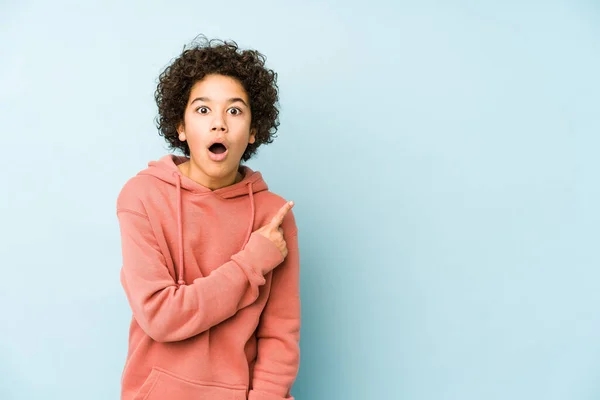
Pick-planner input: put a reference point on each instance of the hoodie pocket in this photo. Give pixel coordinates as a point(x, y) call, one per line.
point(162, 384)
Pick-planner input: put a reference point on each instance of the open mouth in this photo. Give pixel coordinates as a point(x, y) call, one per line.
point(218, 152)
point(217, 148)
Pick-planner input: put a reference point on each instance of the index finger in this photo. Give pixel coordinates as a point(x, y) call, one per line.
point(278, 218)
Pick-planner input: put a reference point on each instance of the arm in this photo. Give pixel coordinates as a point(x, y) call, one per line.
point(168, 312)
point(278, 333)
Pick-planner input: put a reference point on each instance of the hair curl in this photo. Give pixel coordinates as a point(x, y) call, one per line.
point(202, 58)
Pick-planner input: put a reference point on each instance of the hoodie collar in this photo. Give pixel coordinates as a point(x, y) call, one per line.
point(164, 168)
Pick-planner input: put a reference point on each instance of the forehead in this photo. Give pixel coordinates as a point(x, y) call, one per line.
point(218, 88)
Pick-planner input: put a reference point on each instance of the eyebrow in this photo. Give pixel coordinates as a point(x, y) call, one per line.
point(231, 100)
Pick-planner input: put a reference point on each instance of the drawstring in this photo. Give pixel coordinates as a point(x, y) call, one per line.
point(251, 213)
point(181, 280)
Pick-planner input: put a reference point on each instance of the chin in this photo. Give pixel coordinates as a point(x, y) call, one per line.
point(221, 169)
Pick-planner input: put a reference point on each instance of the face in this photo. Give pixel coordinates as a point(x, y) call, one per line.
point(218, 109)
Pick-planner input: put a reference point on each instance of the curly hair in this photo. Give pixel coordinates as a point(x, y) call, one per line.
point(203, 58)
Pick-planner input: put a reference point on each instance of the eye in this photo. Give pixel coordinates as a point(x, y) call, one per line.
point(202, 108)
point(237, 110)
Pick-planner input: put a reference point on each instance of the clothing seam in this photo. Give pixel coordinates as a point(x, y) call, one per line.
point(132, 212)
point(152, 388)
point(222, 385)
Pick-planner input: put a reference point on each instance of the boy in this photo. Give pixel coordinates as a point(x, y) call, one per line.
point(210, 255)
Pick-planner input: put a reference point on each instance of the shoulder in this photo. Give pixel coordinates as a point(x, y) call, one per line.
point(132, 194)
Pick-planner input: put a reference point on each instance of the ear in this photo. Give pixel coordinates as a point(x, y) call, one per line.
point(181, 132)
point(252, 137)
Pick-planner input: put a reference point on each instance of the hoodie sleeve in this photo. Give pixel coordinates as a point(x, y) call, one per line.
point(168, 312)
point(278, 332)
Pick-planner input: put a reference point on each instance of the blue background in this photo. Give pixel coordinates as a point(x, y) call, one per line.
point(443, 157)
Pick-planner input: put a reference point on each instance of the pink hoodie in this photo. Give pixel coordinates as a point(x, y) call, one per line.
point(206, 323)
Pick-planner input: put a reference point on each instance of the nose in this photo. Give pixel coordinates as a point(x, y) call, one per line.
point(218, 124)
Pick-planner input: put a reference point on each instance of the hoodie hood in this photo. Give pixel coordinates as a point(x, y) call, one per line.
point(165, 169)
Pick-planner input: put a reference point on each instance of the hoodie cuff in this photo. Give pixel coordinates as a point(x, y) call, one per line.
point(259, 395)
point(260, 255)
